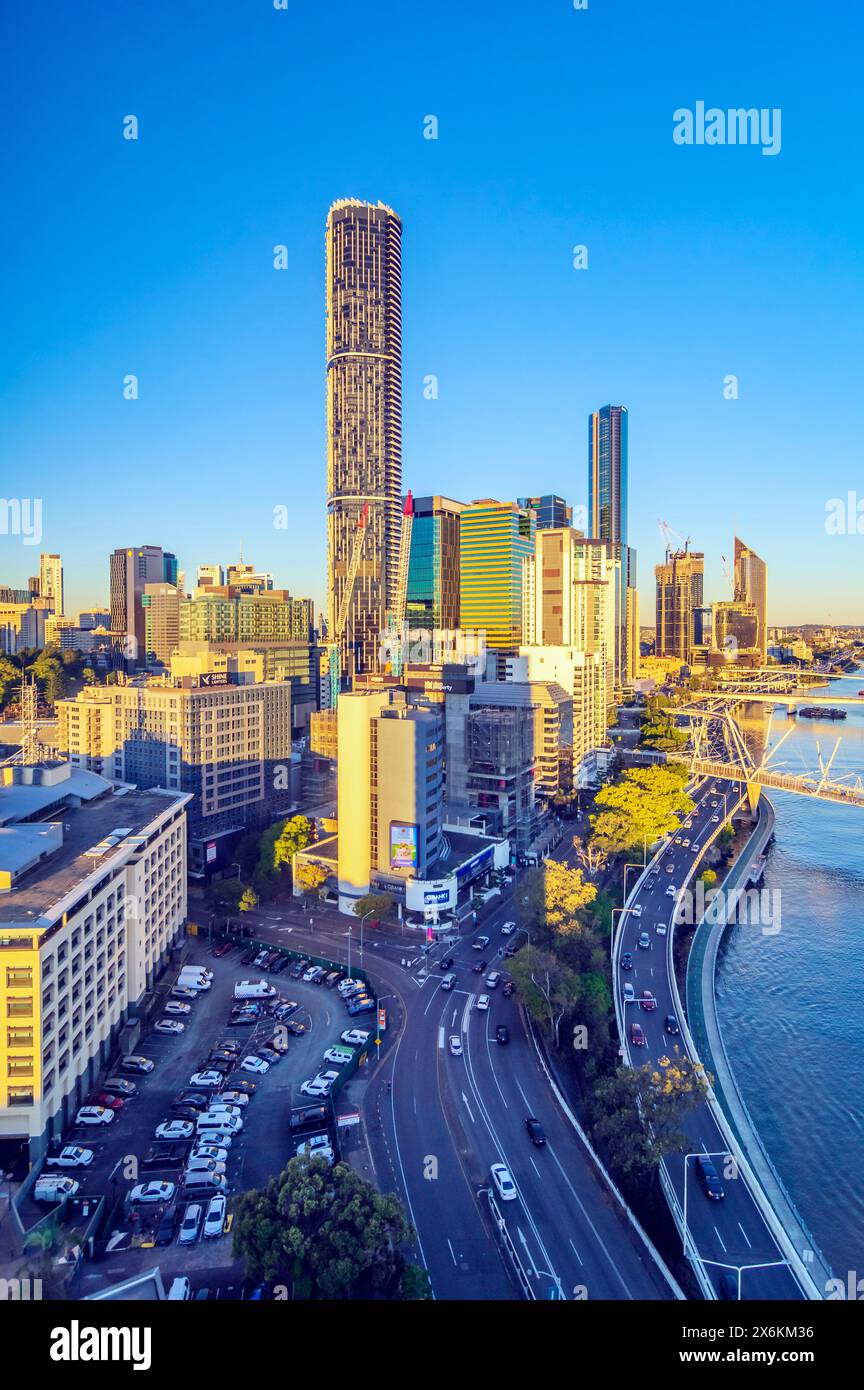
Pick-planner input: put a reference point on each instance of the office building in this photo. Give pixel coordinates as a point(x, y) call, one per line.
point(751, 586)
point(679, 587)
point(434, 568)
point(607, 473)
point(22, 625)
point(584, 677)
point(92, 899)
point(549, 510)
point(245, 579)
point(364, 424)
point(51, 581)
point(228, 745)
point(161, 604)
point(736, 632)
point(494, 539)
point(209, 576)
point(293, 662)
point(131, 570)
point(226, 615)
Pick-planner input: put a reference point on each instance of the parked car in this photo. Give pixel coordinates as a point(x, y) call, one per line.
point(248, 956)
point(165, 1230)
point(183, 992)
point(106, 1098)
point(177, 1010)
point(315, 1087)
point(238, 1098)
point(341, 1055)
point(72, 1156)
point(183, 1112)
point(222, 949)
point(174, 1129)
point(191, 1223)
point(206, 1078)
point(140, 1065)
point(214, 1151)
point(285, 1009)
point(365, 1006)
point(455, 1046)
point(355, 1036)
point(198, 1099)
point(53, 1187)
point(200, 1163)
point(94, 1115)
point(171, 1026)
point(256, 1065)
point(248, 1088)
point(294, 1028)
point(317, 1146)
point(214, 1221)
point(333, 979)
point(165, 1156)
point(502, 1182)
point(219, 1109)
point(536, 1132)
point(148, 1192)
point(281, 964)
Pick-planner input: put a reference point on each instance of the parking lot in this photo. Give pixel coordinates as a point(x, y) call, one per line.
point(256, 1153)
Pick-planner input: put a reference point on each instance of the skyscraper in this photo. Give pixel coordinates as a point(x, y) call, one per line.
point(51, 580)
point(751, 586)
point(364, 422)
point(607, 473)
point(680, 584)
point(131, 569)
point(494, 539)
point(434, 569)
point(551, 510)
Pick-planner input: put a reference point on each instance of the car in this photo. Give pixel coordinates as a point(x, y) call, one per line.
point(644, 942)
point(637, 1037)
point(455, 1046)
point(285, 1009)
point(234, 1098)
point(626, 961)
point(191, 1223)
point(715, 820)
point(510, 952)
point(445, 963)
point(147, 1192)
point(202, 1164)
point(214, 1221)
point(243, 1020)
point(72, 1156)
point(261, 956)
point(222, 949)
point(270, 1055)
point(670, 1025)
point(678, 840)
point(660, 928)
point(709, 1179)
point(165, 1230)
point(535, 1132)
point(217, 1139)
point(118, 1086)
point(165, 1156)
point(172, 1026)
point(341, 1055)
point(480, 943)
point(636, 910)
point(686, 844)
point(502, 1033)
point(295, 1028)
point(174, 1129)
point(209, 1078)
point(671, 891)
point(183, 1112)
point(214, 1151)
point(315, 1088)
point(140, 1065)
point(248, 956)
point(197, 1099)
point(297, 969)
point(277, 1043)
point(348, 983)
point(648, 1001)
point(508, 928)
point(223, 1054)
point(217, 1108)
point(508, 989)
point(282, 964)
point(483, 1002)
point(239, 1083)
point(177, 1010)
point(502, 1182)
point(715, 802)
point(355, 1036)
point(256, 1065)
point(94, 1115)
point(183, 992)
point(629, 993)
point(493, 979)
point(317, 1146)
point(111, 1102)
point(309, 975)
point(54, 1187)
point(479, 967)
point(364, 1006)
point(353, 989)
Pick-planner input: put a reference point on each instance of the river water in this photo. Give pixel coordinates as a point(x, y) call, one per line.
point(791, 1005)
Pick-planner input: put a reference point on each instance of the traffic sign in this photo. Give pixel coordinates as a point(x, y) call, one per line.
point(382, 1019)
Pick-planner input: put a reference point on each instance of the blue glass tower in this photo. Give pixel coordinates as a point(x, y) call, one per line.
point(607, 473)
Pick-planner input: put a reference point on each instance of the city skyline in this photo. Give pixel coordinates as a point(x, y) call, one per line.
point(678, 294)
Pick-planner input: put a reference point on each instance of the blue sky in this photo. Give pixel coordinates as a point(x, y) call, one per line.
point(154, 257)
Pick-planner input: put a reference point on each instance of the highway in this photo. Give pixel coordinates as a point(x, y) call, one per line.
point(729, 1234)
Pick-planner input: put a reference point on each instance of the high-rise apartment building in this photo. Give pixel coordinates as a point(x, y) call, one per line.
point(364, 422)
point(494, 539)
point(550, 510)
point(131, 570)
point(434, 569)
point(223, 615)
point(161, 604)
point(245, 579)
point(751, 586)
point(210, 576)
point(736, 631)
point(51, 581)
point(680, 586)
point(607, 473)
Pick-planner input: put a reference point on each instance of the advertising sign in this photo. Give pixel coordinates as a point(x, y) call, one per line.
point(211, 852)
point(403, 846)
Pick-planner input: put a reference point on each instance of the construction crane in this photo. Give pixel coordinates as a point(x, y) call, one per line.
point(345, 602)
point(730, 578)
point(669, 535)
point(401, 597)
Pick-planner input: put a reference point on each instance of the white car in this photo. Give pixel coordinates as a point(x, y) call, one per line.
point(170, 1025)
point(671, 891)
point(234, 1098)
point(204, 1165)
point(318, 1146)
point(341, 1055)
point(94, 1115)
point(715, 820)
point(636, 910)
point(215, 1151)
point(686, 844)
point(217, 1108)
point(504, 1184)
point(480, 944)
point(174, 1129)
point(214, 1139)
point(508, 928)
point(629, 993)
point(191, 1222)
point(660, 928)
point(177, 1010)
point(344, 986)
point(483, 1002)
point(152, 1192)
point(455, 1046)
point(355, 1036)
point(256, 1065)
point(214, 1221)
point(317, 1089)
point(206, 1078)
point(309, 975)
point(73, 1156)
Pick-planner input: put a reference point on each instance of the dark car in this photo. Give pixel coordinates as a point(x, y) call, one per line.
point(333, 979)
point(709, 1179)
point(502, 1033)
point(535, 1131)
point(165, 1156)
point(508, 989)
point(294, 1028)
point(220, 1064)
point(247, 1087)
point(248, 956)
point(282, 964)
point(298, 968)
point(285, 1009)
point(670, 1025)
point(222, 949)
point(510, 952)
point(361, 1008)
point(648, 1001)
point(309, 1117)
point(637, 1037)
point(479, 967)
point(626, 960)
point(118, 1086)
point(183, 1112)
point(445, 963)
point(222, 1054)
point(228, 1045)
point(165, 1229)
point(196, 1099)
point(268, 1054)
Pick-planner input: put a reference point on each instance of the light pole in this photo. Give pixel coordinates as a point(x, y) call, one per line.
point(362, 920)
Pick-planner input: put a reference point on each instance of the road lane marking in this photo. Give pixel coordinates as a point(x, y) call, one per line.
point(521, 1234)
point(720, 1238)
point(744, 1234)
point(576, 1253)
point(441, 1036)
point(594, 1230)
point(455, 1261)
point(468, 1107)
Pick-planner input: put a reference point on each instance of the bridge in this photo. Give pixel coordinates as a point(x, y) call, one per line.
point(749, 695)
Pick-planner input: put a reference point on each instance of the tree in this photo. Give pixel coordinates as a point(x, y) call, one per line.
point(325, 1233)
point(638, 1112)
point(592, 854)
point(295, 834)
point(708, 877)
point(546, 984)
point(311, 878)
point(553, 898)
point(248, 901)
point(374, 905)
point(10, 680)
point(224, 894)
point(651, 802)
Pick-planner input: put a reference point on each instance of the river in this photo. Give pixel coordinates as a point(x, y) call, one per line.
point(791, 1005)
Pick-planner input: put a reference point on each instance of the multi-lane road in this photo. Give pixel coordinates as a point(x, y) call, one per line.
point(731, 1234)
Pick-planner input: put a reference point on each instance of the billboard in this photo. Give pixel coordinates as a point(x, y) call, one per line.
point(403, 846)
point(211, 852)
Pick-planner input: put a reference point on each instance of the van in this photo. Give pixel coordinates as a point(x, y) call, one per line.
point(448, 982)
point(253, 989)
point(193, 979)
point(197, 970)
point(209, 1124)
point(204, 1184)
point(53, 1187)
point(340, 1054)
point(180, 1288)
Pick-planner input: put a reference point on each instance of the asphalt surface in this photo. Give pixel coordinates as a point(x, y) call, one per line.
point(729, 1234)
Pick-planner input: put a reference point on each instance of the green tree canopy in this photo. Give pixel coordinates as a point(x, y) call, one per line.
point(639, 1110)
point(373, 905)
point(646, 803)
